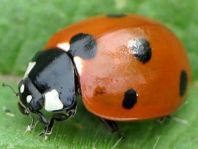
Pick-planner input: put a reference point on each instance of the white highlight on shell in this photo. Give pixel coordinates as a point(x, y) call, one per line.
point(52, 101)
point(65, 46)
point(29, 68)
point(134, 46)
point(28, 98)
point(79, 65)
point(22, 88)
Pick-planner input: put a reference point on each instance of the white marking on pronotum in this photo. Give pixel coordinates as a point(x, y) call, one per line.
point(28, 98)
point(29, 68)
point(65, 46)
point(52, 101)
point(22, 88)
point(134, 46)
point(79, 64)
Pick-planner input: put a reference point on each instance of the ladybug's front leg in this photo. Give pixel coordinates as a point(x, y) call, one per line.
point(32, 125)
point(47, 130)
point(49, 124)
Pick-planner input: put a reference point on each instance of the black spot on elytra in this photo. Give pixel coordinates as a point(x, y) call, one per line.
point(116, 15)
point(183, 82)
point(141, 49)
point(82, 45)
point(130, 99)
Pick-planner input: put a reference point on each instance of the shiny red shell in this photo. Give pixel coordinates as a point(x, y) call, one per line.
point(160, 83)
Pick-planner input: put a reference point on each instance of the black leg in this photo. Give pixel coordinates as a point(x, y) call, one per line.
point(163, 119)
point(43, 119)
point(60, 116)
point(49, 125)
point(112, 126)
point(48, 129)
point(32, 125)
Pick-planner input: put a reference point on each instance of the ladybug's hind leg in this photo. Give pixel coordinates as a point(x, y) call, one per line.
point(112, 126)
point(163, 119)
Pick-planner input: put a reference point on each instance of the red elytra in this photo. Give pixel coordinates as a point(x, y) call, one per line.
point(139, 69)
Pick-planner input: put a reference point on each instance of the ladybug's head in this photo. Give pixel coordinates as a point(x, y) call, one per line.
point(47, 91)
point(31, 100)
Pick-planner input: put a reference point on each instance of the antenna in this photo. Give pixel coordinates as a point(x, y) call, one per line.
point(9, 86)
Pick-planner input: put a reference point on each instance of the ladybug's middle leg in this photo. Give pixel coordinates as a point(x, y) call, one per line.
point(111, 125)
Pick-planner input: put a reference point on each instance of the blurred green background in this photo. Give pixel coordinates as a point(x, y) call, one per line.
point(26, 25)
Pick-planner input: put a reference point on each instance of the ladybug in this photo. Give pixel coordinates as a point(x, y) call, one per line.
point(125, 67)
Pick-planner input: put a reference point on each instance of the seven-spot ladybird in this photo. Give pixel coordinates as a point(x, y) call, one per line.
point(126, 67)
